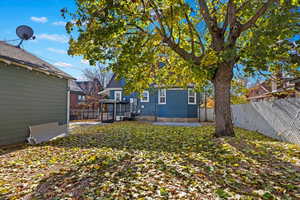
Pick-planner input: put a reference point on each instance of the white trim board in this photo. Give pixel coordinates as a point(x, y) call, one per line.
point(148, 97)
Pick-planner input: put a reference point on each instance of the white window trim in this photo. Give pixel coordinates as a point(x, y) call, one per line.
point(195, 97)
point(148, 97)
point(120, 92)
point(80, 98)
point(160, 96)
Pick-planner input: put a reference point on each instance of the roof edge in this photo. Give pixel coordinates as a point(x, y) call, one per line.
point(27, 66)
point(111, 79)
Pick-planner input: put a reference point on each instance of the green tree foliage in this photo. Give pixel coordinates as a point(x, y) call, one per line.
point(239, 90)
point(197, 40)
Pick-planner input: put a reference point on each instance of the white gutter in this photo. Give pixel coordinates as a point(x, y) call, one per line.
point(35, 69)
point(109, 89)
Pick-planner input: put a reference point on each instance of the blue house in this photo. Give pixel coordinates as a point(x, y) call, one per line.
point(155, 104)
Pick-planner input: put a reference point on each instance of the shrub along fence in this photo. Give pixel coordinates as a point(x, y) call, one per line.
point(279, 119)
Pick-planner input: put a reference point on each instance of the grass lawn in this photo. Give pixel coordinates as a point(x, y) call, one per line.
point(132, 160)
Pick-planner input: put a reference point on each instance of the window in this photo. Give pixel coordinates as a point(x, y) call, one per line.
point(81, 98)
point(118, 95)
point(145, 96)
point(162, 97)
point(191, 96)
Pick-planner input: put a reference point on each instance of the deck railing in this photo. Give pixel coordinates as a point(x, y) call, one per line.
point(83, 114)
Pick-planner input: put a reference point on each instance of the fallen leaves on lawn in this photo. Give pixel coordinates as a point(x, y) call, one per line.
point(132, 160)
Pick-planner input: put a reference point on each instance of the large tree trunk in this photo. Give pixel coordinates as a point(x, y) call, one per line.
point(222, 85)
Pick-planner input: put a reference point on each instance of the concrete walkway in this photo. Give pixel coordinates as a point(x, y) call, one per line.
point(73, 125)
point(191, 124)
point(85, 123)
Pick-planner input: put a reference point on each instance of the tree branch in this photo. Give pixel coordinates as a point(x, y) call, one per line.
point(145, 14)
point(138, 27)
point(190, 25)
point(242, 6)
point(192, 29)
point(225, 24)
point(258, 14)
point(234, 32)
point(200, 41)
point(179, 35)
point(171, 29)
point(159, 18)
point(206, 15)
point(170, 42)
point(181, 52)
point(197, 33)
point(216, 32)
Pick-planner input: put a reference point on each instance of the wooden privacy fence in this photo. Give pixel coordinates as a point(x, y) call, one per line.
point(82, 114)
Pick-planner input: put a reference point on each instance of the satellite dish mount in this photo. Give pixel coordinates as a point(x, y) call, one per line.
point(24, 33)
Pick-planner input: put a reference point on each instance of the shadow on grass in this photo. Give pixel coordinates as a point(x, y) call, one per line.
point(252, 171)
point(136, 161)
point(83, 179)
point(11, 148)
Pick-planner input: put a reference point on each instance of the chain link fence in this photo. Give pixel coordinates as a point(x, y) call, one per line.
point(279, 119)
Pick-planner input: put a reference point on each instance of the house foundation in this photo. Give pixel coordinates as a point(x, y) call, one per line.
point(167, 119)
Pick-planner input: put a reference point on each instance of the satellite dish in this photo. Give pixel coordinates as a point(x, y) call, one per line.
point(24, 33)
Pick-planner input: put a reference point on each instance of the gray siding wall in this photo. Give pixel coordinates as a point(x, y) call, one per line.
point(29, 98)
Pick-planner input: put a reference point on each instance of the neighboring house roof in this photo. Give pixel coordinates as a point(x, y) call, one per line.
point(259, 90)
point(114, 83)
point(295, 80)
point(264, 89)
point(74, 88)
point(10, 53)
point(91, 88)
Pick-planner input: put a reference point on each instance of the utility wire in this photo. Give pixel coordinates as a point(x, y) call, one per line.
point(51, 60)
point(39, 56)
point(48, 59)
point(11, 40)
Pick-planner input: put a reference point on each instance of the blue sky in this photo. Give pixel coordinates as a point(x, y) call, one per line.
point(51, 38)
point(48, 25)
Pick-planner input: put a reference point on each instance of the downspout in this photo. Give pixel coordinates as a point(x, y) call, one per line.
point(100, 112)
point(115, 111)
point(205, 107)
point(199, 106)
point(68, 104)
point(156, 106)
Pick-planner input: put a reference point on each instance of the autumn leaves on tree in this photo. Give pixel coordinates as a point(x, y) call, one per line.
point(199, 41)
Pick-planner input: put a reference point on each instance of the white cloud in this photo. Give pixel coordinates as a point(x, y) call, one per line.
point(62, 64)
point(53, 37)
point(85, 61)
point(39, 19)
point(59, 23)
point(60, 51)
